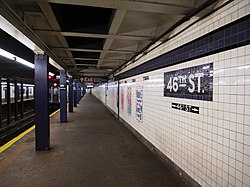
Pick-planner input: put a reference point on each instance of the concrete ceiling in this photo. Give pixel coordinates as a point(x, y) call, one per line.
point(94, 37)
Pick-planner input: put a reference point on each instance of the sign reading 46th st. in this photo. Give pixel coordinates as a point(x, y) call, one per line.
point(191, 83)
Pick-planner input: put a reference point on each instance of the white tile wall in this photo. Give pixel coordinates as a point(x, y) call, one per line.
point(213, 147)
point(112, 96)
point(100, 92)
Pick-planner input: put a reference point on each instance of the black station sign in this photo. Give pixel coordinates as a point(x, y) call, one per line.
point(190, 83)
point(187, 108)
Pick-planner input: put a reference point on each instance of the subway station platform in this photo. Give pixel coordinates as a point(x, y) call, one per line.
point(92, 149)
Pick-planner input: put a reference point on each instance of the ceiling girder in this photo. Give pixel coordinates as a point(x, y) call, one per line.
point(94, 59)
point(132, 25)
point(93, 35)
point(141, 6)
point(115, 25)
point(93, 50)
point(48, 13)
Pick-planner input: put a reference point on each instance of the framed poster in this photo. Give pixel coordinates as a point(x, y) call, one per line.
point(139, 94)
point(129, 94)
point(191, 83)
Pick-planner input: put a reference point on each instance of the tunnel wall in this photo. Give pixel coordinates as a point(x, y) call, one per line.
point(212, 147)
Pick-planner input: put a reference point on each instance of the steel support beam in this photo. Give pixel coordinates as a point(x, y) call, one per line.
point(94, 50)
point(75, 93)
point(42, 103)
point(94, 35)
point(78, 92)
point(71, 90)
point(63, 97)
point(141, 6)
point(115, 25)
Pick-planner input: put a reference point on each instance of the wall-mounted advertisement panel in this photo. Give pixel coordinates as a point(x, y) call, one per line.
point(139, 94)
point(190, 83)
point(129, 95)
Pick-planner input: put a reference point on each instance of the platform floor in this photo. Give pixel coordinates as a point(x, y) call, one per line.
point(92, 149)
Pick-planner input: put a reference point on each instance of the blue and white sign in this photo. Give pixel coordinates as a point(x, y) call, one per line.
point(191, 83)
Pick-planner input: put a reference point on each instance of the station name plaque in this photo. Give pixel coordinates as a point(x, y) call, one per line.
point(191, 83)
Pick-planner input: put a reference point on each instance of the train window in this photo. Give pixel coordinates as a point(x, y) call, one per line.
point(12, 92)
point(18, 92)
point(24, 92)
point(31, 92)
point(4, 92)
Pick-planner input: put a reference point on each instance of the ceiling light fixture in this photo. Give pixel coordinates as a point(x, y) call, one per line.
point(10, 56)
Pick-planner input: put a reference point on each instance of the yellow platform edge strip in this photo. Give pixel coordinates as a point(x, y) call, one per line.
point(11, 142)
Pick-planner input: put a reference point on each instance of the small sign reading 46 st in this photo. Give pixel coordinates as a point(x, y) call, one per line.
point(191, 83)
point(187, 108)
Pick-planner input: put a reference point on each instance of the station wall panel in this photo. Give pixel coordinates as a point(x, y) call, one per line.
point(213, 147)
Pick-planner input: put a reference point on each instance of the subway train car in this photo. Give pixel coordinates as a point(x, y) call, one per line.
point(28, 91)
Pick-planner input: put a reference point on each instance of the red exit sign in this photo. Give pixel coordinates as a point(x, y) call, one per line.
point(88, 79)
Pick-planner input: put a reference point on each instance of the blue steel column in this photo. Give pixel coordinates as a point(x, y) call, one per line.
point(71, 95)
point(75, 94)
point(63, 97)
point(42, 103)
point(77, 91)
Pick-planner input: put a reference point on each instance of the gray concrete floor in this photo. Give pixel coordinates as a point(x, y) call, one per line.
point(92, 149)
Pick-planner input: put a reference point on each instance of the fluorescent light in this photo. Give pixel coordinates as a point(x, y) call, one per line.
point(51, 74)
point(6, 54)
point(6, 26)
point(25, 62)
point(10, 56)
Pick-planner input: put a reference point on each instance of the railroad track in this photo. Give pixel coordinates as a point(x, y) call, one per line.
point(8, 132)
